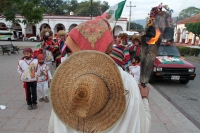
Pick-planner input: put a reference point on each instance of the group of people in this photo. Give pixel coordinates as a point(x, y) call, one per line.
point(37, 67)
point(96, 89)
point(128, 56)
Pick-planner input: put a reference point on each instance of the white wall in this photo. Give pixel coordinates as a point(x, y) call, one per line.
point(29, 29)
point(67, 21)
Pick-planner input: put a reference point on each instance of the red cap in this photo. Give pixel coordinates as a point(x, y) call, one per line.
point(27, 50)
point(40, 57)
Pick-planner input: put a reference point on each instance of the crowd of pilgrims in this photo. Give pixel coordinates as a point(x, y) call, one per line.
point(125, 55)
point(50, 53)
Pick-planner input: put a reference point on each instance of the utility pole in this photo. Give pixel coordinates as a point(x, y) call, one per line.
point(91, 8)
point(129, 24)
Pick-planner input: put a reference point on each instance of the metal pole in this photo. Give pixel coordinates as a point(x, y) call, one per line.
point(91, 8)
point(129, 24)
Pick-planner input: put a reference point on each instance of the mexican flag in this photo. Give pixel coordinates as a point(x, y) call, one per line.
point(114, 12)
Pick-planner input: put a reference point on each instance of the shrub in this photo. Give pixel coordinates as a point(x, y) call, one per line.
point(189, 51)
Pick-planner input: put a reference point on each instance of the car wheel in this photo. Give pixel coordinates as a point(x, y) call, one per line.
point(184, 81)
point(9, 39)
point(31, 40)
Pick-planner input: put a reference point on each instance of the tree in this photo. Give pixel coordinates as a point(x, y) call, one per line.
point(98, 8)
point(194, 28)
point(188, 12)
point(29, 9)
point(57, 7)
point(72, 6)
point(136, 27)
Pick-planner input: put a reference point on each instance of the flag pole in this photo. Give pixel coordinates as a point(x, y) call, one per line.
point(114, 25)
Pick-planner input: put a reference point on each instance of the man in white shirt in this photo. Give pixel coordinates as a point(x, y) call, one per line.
point(136, 115)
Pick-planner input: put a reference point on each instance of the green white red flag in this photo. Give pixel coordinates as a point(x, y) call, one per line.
point(114, 12)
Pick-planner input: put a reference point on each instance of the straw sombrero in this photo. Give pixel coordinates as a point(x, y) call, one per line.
point(136, 37)
point(87, 92)
point(62, 33)
point(122, 35)
point(47, 32)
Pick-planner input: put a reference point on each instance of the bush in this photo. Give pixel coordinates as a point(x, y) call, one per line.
point(189, 51)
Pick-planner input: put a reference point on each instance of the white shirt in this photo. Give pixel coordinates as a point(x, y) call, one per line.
point(43, 73)
point(136, 119)
point(27, 70)
point(135, 72)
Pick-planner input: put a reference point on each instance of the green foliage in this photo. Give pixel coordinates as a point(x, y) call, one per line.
point(29, 9)
point(58, 7)
point(33, 10)
point(188, 12)
point(84, 8)
point(136, 27)
point(189, 51)
point(194, 28)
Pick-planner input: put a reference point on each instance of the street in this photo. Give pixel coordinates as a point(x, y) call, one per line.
point(186, 97)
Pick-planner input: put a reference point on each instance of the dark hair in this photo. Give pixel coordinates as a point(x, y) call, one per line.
point(137, 58)
point(68, 50)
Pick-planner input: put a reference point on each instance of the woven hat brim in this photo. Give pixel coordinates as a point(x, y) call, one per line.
point(62, 33)
point(78, 64)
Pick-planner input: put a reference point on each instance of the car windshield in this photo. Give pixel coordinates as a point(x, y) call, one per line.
point(168, 51)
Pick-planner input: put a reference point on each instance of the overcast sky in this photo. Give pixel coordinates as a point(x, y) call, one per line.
point(143, 7)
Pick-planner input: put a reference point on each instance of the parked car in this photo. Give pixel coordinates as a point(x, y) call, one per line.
point(170, 65)
point(32, 39)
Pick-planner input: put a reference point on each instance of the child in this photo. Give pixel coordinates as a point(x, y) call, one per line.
point(43, 75)
point(135, 68)
point(27, 68)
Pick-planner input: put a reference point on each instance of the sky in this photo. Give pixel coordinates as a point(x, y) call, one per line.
point(143, 7)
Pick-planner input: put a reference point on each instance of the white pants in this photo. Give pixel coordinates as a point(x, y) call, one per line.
point(52, 67)
point(42, 88)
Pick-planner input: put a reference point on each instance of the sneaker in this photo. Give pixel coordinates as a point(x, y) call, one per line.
point(29, 107)
point(34, 106)
point(46, 99)
point(41, 99)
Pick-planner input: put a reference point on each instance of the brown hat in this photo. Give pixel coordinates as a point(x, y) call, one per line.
point(46, 32)
point(62, 33)
point(136, 37)
point(89, 97)
point(122, 35)
point(27, 50)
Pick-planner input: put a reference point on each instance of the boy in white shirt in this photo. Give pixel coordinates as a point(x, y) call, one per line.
point(135, 68)
point(43, 76)
point(27, 68)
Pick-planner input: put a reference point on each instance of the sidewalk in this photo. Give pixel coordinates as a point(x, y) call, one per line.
point(17, 119)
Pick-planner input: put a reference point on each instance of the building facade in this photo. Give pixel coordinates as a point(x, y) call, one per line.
point(56, 23)
point(181, 35)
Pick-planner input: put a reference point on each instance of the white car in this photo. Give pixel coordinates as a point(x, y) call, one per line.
point(32, 39)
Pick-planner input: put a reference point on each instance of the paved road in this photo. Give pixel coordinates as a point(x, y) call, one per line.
point(187, 97)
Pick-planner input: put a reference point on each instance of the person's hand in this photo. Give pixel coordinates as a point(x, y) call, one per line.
point(144, 91)
point(49, 83)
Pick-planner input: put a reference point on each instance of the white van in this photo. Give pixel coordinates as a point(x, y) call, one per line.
point(7, 35)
